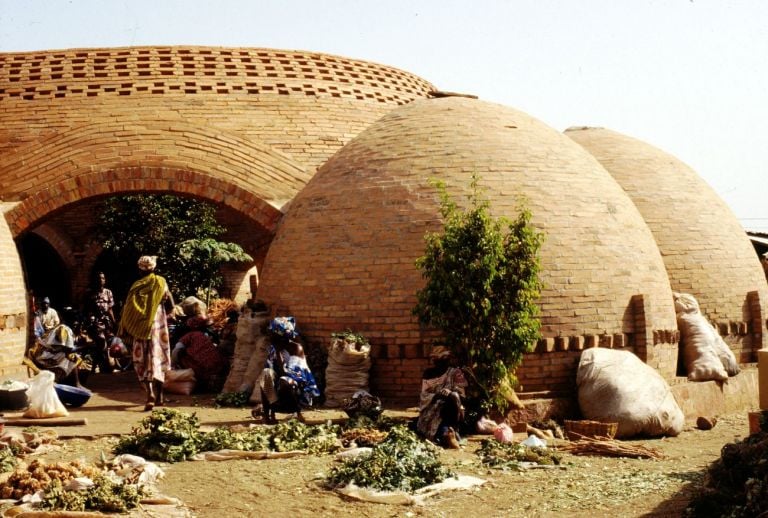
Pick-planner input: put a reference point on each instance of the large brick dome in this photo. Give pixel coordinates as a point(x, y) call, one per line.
point(344, 253)
point(705, 249)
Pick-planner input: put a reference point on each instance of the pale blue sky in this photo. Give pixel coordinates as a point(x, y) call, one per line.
point(690, 77)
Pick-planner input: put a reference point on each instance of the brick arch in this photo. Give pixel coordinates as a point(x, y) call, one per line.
point(150, 156)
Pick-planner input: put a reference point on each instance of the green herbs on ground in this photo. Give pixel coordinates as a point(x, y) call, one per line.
point(401, 462)
point(171, 436)
point(500, 455)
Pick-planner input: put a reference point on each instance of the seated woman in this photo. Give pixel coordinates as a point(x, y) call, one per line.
point(286, 383)
point(56, 353)
point(441, 409)
point(196, 350)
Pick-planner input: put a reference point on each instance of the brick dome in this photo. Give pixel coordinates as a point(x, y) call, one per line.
point(343, 255)
point(705, 249)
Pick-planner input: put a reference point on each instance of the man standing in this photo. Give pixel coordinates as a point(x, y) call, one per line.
point(47, 316)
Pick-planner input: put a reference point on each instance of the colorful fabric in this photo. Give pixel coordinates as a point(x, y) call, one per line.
point(152, 356)
point(203, 357)
point(435, 394)
point(283, 326)
point(294, 370)
point(102, 301)
point(145, 295)
point(57, 352)
point(147, 263)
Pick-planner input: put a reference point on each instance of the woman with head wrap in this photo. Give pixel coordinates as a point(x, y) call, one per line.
point(286, 383)
point(143, 326)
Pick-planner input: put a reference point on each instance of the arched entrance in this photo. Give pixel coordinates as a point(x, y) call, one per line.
point(250, 182)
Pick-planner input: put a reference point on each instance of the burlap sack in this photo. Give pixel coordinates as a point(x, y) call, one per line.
point(347, 372)
point(705, 353)
point(250, 352)
point(616, 386)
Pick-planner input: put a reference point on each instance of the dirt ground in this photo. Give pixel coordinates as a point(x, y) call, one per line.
point(585, 486)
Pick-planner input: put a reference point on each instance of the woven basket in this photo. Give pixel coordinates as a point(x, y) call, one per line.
point(576, 430)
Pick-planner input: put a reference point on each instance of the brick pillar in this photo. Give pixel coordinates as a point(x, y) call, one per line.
point(756, 332)
point(642, 334)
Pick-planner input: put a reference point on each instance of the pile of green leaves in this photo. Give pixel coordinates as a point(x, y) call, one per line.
point(402, 462)
point(170, 435)
point(8, 460)
point(481, 291)
point(351, 337)
point(500, 455)
point(105, 495)
point(166, 434)
point(232, 399)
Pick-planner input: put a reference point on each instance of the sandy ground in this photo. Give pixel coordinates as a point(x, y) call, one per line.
point(585, 486)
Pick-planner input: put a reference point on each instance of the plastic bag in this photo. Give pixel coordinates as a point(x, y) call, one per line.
point(43, 400)
point(503, 433)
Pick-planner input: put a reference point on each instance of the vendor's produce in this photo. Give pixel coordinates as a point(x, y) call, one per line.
point(171, 436)
point(38, 476)
point(736, 484)
point(232, 399)
point(501, 455)
point(106, 495)
point(402, 462)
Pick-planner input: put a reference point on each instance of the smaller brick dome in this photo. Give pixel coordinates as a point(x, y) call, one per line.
point(344, 254)
point(705, 249)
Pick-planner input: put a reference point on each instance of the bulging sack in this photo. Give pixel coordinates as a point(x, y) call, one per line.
point(616, 386)
point(705, 353)
point(43, 400)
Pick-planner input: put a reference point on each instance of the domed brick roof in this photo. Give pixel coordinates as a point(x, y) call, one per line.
point(705, 249)
point(344, 253)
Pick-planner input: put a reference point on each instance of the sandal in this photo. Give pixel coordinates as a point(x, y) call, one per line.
point(149, 406)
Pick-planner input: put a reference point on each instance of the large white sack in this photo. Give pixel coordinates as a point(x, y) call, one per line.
point(705, 354)
point(616, 386)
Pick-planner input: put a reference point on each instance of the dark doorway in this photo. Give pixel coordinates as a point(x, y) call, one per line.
point(44, 271)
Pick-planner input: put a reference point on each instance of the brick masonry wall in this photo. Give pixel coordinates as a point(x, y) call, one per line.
point(705, 249)
point(13, 305)
point(243, 128)
point(344, 253)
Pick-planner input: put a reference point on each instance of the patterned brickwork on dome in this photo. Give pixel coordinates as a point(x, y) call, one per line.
point(344, 253)
point(200, 70)
point(307, 119)
point(705, 249)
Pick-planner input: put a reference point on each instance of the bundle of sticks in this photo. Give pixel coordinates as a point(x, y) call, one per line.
point(606, 447)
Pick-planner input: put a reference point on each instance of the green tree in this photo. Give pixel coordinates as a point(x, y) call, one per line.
point(211, 254)
point(482, 287)
point(161, 224)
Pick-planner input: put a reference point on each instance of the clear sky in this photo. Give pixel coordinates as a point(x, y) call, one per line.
point(689, 77)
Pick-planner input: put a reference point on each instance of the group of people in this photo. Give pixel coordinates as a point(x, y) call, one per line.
point(286, 383)
point(141, 337)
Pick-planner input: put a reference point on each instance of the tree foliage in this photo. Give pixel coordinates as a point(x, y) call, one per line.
point(182, 232)
point(482, 285)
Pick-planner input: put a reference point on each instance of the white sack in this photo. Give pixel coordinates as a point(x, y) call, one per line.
point(705, 353)
point(418, 497)
point(43, 399)
point(616, 386)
